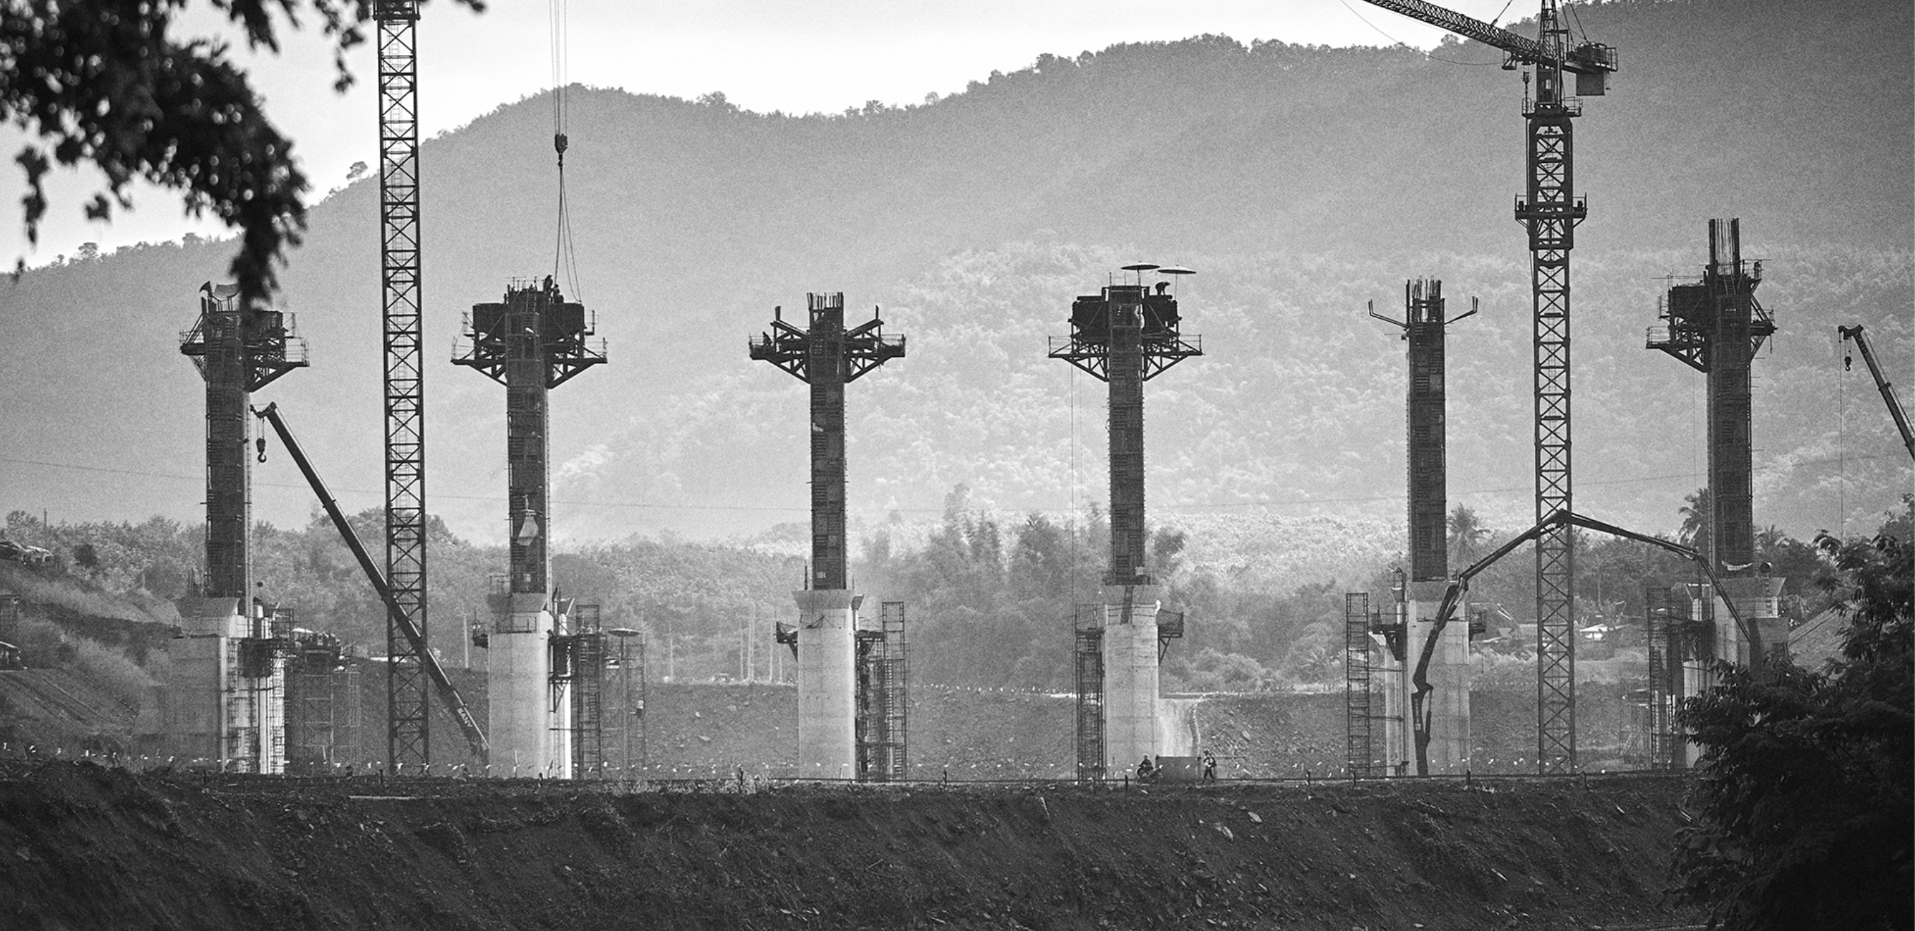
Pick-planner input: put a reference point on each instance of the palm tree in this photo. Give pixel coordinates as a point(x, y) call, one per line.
point(1697, 524)
point(1466, 537)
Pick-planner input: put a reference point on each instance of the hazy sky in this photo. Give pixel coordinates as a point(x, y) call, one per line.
point(798, 56)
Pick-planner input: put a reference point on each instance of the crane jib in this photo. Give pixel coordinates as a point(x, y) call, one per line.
point(1588, 58)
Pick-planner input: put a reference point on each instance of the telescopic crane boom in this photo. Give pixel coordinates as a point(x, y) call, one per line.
point(448, 693)
point(1888, 391)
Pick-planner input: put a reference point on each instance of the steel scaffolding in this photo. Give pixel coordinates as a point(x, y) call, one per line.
point(322, 702)
point(1664, 617)
point(883, 696)
point(622, 725)
point(588, 702)
point(1359, 747)
point(1088, 665)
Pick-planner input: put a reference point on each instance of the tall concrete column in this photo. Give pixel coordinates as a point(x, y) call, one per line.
point(827, 357)
point(1448, 713)
point(222, 702)
point(531, 342)
point(1126, 335)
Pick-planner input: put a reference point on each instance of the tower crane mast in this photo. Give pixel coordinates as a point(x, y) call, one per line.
point(1550, 210)
point(408, 688)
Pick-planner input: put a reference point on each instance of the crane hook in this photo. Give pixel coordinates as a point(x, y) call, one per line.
point(260, 444)
point(1848, 360)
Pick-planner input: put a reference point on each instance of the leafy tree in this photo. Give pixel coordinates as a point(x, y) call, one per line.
point(1805, 790)
point(110, 82)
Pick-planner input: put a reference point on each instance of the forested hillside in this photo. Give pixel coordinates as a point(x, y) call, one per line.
point(1302, 183)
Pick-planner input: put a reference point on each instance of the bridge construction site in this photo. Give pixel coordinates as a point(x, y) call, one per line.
point(571, 692)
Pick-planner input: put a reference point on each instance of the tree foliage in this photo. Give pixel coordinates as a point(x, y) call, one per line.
point(1805, 786)
point(112, 83)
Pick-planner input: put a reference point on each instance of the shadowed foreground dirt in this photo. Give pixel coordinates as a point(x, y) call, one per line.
point(88, 847)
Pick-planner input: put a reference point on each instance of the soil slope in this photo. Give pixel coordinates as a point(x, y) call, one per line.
point(88, 847)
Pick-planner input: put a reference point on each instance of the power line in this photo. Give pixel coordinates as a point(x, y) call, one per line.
point(653, 505)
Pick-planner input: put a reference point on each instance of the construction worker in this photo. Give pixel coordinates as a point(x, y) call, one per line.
point(1210, 766)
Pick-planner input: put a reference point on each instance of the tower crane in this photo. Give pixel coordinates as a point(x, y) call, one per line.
point(1895, 411)
point(408, 687)
point(1550, 210)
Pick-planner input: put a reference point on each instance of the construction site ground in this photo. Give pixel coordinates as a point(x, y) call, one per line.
point(989, 835)
point(86, 846)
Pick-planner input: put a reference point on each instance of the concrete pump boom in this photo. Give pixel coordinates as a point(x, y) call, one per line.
point(1888, 391)
point(1419, 708)
point(448, 693)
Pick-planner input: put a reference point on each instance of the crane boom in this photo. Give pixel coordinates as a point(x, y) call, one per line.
point(1587, 58)
point(448, 693)
point(1521, 48)
point(1888, 391)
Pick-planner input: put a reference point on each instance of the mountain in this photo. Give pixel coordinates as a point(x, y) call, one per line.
point(1301, 182)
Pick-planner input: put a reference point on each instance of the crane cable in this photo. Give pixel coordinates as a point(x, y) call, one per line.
point(564, 255)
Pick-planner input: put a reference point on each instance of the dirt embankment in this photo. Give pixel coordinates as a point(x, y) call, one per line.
point(87, 847)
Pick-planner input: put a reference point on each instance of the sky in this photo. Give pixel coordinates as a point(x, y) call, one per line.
point(798, 56)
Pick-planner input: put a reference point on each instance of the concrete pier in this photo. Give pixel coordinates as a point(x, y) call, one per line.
point(827, 683)
point(528, 720)
point(1130, 675)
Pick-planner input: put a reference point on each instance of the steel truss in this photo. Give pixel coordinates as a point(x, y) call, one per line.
point(408, 726)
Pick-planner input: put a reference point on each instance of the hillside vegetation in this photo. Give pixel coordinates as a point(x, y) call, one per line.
point(1301, 182)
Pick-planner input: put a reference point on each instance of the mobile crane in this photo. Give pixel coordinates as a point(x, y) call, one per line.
point(395, 611)
point(1550, 210)
point(1895, 411)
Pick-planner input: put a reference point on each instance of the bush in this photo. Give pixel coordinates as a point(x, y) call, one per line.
point(111, 670)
